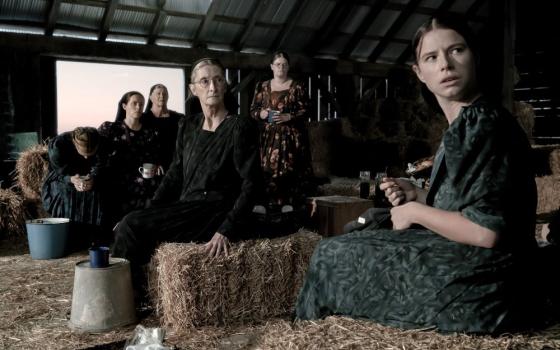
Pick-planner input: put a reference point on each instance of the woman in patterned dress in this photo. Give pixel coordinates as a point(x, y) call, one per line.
point(280, 106)
point(454, 258)
point(132, 143)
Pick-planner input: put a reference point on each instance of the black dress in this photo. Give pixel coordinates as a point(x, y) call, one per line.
point(416, 278)
point(60, 197)
point(167, 129)
point(210, 187)
point(128, 150)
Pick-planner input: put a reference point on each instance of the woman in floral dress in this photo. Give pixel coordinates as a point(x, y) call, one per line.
point(132, 143)
point(280, 105)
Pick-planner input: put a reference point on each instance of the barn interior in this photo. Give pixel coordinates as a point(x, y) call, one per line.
point(366, 113)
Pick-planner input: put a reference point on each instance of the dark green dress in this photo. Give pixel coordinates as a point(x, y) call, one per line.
point(416, 278)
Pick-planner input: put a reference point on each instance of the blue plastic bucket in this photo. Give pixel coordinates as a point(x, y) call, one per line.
point(47, 237)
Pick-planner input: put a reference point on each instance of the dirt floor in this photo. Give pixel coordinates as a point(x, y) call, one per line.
point(36, 297)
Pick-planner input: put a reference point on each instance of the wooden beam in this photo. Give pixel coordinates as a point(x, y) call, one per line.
point(374, 11)
point(338, 14)
point(240, 40)
point(205, 24)
point(244, 82)
point(51, 18)
point(157, 23)
point(293, 16)
point(444, 7)
point(107, 20)
point(471, 12)
point(77, 49)
point(395, 27)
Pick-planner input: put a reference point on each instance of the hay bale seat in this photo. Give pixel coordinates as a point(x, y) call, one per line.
point(12, 214)
point(32, 167)
point(260, 279)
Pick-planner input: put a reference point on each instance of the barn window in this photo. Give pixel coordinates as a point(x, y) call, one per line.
point(88, 93)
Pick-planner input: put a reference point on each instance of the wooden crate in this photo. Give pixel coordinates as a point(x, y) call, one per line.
point(333, 212)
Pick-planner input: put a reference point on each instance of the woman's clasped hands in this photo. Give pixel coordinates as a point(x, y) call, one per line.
point(82, 183)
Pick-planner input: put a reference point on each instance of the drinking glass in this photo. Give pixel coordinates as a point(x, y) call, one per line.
point(379, 195)
point(364, 183)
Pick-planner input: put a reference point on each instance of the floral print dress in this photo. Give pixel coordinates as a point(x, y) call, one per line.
point(285, 156)
point(129, 149)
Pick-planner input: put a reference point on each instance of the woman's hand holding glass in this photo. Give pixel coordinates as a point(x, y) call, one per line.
point(282, 118)
point(398, 191)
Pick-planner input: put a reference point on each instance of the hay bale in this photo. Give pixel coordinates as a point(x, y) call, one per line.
point(554, 161)
point(12, 214)
point(548, 189)
point(341, 186)
point(525, 116)
point(32, 167)
point(259, 279)
point(337, 332)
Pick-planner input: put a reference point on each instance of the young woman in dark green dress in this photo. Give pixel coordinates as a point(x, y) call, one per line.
point(453, 258)
point(209, 190)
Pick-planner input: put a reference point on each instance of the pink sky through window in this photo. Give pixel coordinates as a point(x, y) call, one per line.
point(88, 93)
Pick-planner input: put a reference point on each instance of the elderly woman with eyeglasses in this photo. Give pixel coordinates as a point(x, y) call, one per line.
point(75, 185)
point(208, 191)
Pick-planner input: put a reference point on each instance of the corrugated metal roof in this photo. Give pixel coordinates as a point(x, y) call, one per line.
point(199, 7)
point(29, 10)
point(354, 19)
point(180, 27)
point(315, 13)
point(340, 28)
point(80, 15)
point(236, 9)
point(133, 22)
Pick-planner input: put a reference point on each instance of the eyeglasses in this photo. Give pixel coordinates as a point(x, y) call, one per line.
point(281, 65)
point(205, 82)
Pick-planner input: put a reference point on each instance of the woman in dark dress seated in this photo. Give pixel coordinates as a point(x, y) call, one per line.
point(75, 186)
point(164, 120)
point(209, 190)
point(132, 143)
point(453, 258)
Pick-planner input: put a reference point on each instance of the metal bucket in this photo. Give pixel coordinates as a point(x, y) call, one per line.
point(102, 298)
point(48, 237)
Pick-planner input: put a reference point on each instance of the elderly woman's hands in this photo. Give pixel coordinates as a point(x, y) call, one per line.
point(398, 191)
point(218, 244)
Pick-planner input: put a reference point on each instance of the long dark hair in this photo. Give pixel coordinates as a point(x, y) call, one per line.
point(121, 113)
point(149, 102)
point(455, 23)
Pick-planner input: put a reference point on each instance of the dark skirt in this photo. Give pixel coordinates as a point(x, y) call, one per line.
point(413, 279)
point(286, 163)
point(139, 233)
point(62, 200)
